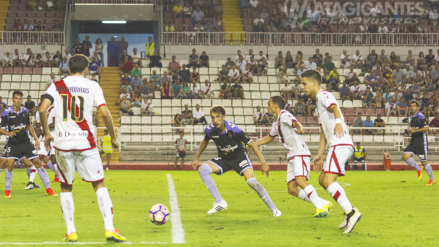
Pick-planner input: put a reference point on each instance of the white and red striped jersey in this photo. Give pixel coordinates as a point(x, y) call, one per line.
point(50, 118)
point(73, 99)
point(327, 120)
point(283, 127)
point(147, 106)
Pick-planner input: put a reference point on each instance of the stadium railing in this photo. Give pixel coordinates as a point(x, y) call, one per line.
point(148, 137)
point(44, 37)
point(263, 38)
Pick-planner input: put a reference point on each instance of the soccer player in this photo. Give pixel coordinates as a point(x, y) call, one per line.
point(180, 145)
point(289, 130)
point(334, 133)
point(230, 142)
point(418, 128)
point(73, 99)
point(15, 119)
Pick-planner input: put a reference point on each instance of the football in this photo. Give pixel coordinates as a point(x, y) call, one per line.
point(181, 148)
point(159, 214)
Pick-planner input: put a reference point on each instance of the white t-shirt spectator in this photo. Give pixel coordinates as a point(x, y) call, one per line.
point(68, 56)
point(8, 60)
point(46, 59)
point(242, 64)
point(357, 58)
point(207, 89)
point(347, 63)
point(359, 88)
point(383, 29)
point(349, 74)
point(195, 89)
point(258, 115)
point(197, 114)
point(254, 3)
point(147, 106)
point(49, 4)
point(257, 20)
point(97, 57)
point(234, 74)
point(19, 56)
point(247, 73)
point(257, 57)
point(136, 57)
point(434, 15)
point(390, 106)
point(126, 95)
point(309, 65)
point(248, 57)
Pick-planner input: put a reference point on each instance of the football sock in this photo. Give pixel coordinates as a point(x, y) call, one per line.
point(1, 170)
point(339, 195)
point(44, 177)
point(412, 162)
point(302, 195)
point(33, 173)
point(8, 179)
point(429, 171)
point(252, 182)
point(363, 163)
point(355, 165)
point(205, 172)
point(68, 209)
point(51, 166)
point(311, 193)
point(28, 172)
point(106, 207)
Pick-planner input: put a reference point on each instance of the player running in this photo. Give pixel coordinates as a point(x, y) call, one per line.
point(230, 142)
point(334, 133)
point(418, 128)
point(73, 99)
point(15, 120)
point(289, 130)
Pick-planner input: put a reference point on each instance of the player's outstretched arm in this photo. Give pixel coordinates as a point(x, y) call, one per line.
point(203, 146)
point(264, 141)
point(264, 166)
point(108, 121)
point(43, 120)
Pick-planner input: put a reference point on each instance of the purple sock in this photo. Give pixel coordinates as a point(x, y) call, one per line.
point(429, 171)
point(205, 172)
point(28, 172)
point(51, 166)
point(8, 179)
point(44, 177)
point(412, 162)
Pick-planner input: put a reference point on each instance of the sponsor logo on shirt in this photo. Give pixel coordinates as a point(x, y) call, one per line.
point(215, 136)
point(229, 148)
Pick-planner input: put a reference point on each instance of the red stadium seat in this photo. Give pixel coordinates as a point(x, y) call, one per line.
point(18, 70)
point(350, 111)
point(21, 14)
point(50, 14)
point(27, 70)
point(313, 130)
point(40, 14)
point(370, 112)
point(301, 119)
point(1, 70)
point(248, 22)
point(37, 71)
point(351, 119)
point(357, 110)
point(381, 111)
point(311, 120)
point(7, 70)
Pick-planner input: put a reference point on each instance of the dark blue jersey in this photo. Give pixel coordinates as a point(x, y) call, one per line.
point(417, 122)
point(230, 143)
point(16, 122)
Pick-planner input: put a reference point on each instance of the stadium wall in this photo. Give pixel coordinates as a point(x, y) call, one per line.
point(127, 12)
point(220, 52)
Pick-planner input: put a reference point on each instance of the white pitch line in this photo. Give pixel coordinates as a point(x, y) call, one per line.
point(177, 228)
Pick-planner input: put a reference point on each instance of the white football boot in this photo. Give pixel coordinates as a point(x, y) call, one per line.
point(352, 219)
point(276, 213)
point(222, 205)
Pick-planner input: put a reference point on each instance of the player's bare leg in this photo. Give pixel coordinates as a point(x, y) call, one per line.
point(429, 170)
point(205, 170)
point(182, 164)
point(309, 194)
point(175, 163)
point(352, 215)
point(407, 157)
point(260, 190)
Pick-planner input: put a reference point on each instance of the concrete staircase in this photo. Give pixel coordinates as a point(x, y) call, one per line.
point(4, 7)
point(232, 22)
point(110, 83)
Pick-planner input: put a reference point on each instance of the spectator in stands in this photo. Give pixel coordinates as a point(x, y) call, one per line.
point(136, 81)
point(137, 59)
point(398, 74)
point(281, 75)
point(433, 17)
point(368, 123)
point(174, 68)
point(402, 107)
point(78, 47)
point(30, 105)
point(314, 15)
point(125, 107)
point(167, 91)
point(286, 91)
point(178, 122)
point(345, 93)
point(122, 46)
point(136, 71)
point(125, 54)
point(136, 98)
point(64, 66)
point(367, 98)
point(237, 90)
point(300, 108)
point(38, 61)
point(150, 47)
point(358, 122)
point(124, 94)
point(87, 45)
point(193, 59)
point(195, 76)
point(295, 89)
point(197, 16)
point(155, 60)
point(195, 91)
point(177, 89)
point(300, 70)
point(178, 10)
point(198, 115)
point(388, 95)
point(317, 58)
point(186, 115)
point(379, 122)
point(204, 60)
point(333, 80)
point(198, 27)
point(126, 66)
point(208, 27)
point(184, 74)
point(289, 61)
point(279, 60)
point(47, 61)
point(263, 66)
point(56, 26)
point(94, 67)
point(310, 64)
point(17, 59)
point(268, 119)
point(234, 74)
point(31, 5)
point(27, 58)
point(207, 90)
point(357, 59)
point(49, 5)
point(125, 77)
point(258, 116)
point(164, 78)
point(29, 27)
point(146, 89)
point(430, 107)
point(247, 74)
point(186, 92)
point(229, 64)
point(391, 108)
point(51, 80)
point(18, 26)
point(433, 124)
point(56, 60)
point(126, 85)
point(241, 63)
point(225, 91)
point(6, 60)
point(112, 53)
point(345, 60)
point(67, 55)
point(147, 108)
point(329, 65)
point(223, 74)
point(311, 107)
point(187, 10)
point(258, 20)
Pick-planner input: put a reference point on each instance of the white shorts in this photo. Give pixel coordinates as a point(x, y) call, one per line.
point(44, 152)
point(336, 159)
point(87, 162)
point(298, 166)
point(92, 72)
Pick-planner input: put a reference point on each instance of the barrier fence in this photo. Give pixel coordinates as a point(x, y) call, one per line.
point(263, 38)
point(389, 137)
point(33, 37)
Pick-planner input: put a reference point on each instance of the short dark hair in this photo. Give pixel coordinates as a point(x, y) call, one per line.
point(313, 75)
point(78, 63)
point(105, 131)
point(17, 92)
point(414, 102)
point(29, 96)
point(278, 101)
point(218, 109)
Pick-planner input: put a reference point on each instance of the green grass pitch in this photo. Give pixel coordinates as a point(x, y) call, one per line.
point(397, 208)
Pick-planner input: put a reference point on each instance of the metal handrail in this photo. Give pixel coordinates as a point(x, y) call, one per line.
point(33, 37)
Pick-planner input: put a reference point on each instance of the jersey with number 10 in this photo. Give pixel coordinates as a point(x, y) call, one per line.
point(73, 99)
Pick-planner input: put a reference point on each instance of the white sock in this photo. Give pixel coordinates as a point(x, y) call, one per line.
point(68, 209)
point(106, 207)
point(339, 195)
point(33, 173)
point(311, 193)
point(302, 195)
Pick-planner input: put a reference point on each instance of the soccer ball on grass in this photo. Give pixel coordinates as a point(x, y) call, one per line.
point(159, 214)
